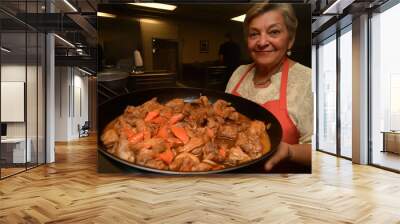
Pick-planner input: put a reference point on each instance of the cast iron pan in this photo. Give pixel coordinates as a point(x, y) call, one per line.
point(115, 107)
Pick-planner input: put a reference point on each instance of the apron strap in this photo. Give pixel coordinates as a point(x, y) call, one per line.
point(234, 91)
point(283, 88)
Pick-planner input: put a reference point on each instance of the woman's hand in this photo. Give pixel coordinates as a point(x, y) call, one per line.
point(299, 153)
point(282, 153)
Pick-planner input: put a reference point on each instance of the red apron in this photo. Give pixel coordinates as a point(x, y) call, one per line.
point(278, 107)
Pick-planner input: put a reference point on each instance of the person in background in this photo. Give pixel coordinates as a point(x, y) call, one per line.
point(229, 55)
point(275, 81)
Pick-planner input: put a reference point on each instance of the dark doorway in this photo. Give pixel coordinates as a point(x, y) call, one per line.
point(165, 55)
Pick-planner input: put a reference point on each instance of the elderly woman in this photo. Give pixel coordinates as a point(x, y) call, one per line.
point(276, 82)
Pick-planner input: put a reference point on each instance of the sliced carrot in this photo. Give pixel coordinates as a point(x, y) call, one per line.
point(146, 134)
point(180, 133)
point(210, 133)
point(174, 119)
point(218, 167)
point(136, 138)
point(151, 115)
point(222, 152)
point(167, 156)
point(163, 132)
point(174, 141)
point(129, 132)
point(159, 120)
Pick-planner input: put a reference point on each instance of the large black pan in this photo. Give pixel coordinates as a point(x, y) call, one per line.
point(115, 107)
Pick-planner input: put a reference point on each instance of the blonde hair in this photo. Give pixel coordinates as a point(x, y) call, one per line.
point(286, 10)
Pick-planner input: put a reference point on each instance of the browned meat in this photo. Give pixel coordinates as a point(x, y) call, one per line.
point(192, 144)
point(228, 131)
point(145, 155)
point(250, 144)
point(110, 137)
point(184, 162)
point(156, 164)
point(176, 105)
point(223, 108)
point(151, 105)
point(202, 167)
point(234, 116)
point(156, 144)
point(123, 151)
point(256, 128)
point(237, 156)
point(132, 112)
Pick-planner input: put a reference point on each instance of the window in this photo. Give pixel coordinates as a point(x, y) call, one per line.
point(327, 95)
point(385, 87)
point(346, 92)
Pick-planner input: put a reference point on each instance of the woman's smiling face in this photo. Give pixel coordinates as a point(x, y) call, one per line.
point(268, 39)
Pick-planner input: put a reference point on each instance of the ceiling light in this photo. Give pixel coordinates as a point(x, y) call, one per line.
point(156, 6)
point(70, 5)
point(106, 15)
point(239, 18)
point(5, 49)
point(337, 7)
point(65, 41)
point(84, 71)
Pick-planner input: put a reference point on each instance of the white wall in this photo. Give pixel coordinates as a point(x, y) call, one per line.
point(71, 93)
point(12, 73)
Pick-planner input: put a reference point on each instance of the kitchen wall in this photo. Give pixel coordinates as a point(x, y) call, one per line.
point(120, 36)
point(192, 32)
point(150, 28)
point(188, 34)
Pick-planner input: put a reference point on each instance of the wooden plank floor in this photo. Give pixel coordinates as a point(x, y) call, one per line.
point(71, 191)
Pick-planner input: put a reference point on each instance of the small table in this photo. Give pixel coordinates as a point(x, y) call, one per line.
point(16, 147)
point(391, 141)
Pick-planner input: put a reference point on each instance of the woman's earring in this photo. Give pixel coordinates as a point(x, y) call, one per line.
point(289, 52)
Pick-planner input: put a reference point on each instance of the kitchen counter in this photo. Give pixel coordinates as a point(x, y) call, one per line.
point(152, 79)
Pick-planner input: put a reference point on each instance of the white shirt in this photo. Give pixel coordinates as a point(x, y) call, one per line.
point(299, 95)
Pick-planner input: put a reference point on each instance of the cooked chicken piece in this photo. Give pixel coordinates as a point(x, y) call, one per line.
point(192, 144)
point(110, 137)
point(202, 101)
point(199, 115)
point(234, 116)
point(176, 105)
point(256, 128)
point(151, 105)
point(237, 156)
point(144, 155)
point(156, 164)
point(132, 112)
point(228, 131)
point(184, 162)
point(166, 112)
point(250, 144)
point(187, 109)
point(223, 108)
point(211, 152)
point(209, 147)
point(202, 167)
point(123, 151)
point(197, 152)
point(156, 144)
